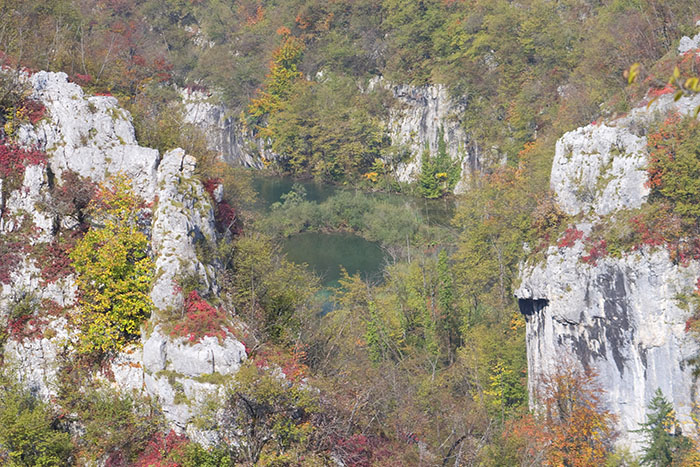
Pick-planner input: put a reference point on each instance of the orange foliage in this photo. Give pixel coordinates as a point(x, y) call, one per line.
point(571, 427)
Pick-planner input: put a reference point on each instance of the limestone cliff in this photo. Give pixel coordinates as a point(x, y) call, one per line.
point(224, 132)
point(92, 136)
point(421, 116)
point(621, 317)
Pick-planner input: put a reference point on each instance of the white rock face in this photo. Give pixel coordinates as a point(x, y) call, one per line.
point(92, 136)
point(173, 366)
point(600, 168)
point(183, 218)
point(423, 112)
point(224, 133)
point(622, 317)
point(95, 138)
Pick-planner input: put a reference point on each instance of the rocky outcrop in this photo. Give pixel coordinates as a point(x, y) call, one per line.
point(423, 116)
point(92, 136)
point(621, 317)
point(182, 221)
point(176, 372)
point(224, 132)
point(600, 168)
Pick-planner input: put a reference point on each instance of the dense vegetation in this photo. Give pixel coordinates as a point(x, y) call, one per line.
point(428, 365)
point(294, 70)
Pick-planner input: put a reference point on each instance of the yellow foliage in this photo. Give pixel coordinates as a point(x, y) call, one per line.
point(114, 271)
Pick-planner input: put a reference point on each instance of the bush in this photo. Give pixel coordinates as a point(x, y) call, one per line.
point(201, 320)
point(13, 162)
point(674, 167)
point(114, 271)
point(30, 434)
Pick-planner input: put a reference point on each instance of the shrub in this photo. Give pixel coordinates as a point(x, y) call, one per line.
point(54, 261)
point(160, 449)
point(114, 271)
point(570, 237)
point(596, 250)
point(30, 434)
point(201, 320)
point(24, 321)
point(13, 162)
point(674, 167)
point(439, 173)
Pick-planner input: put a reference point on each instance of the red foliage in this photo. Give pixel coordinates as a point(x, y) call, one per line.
point(33, 110)
point(10, 256)
point(159, 448)
point(570, 237)
point(27, 326)
point(294, 368)
point(225, 215)
point(211, 184)
point(201, 320)
point(15, 159)
point(596, 251)
point(660, 144)
point(361, 451)
point(55, 264)
point(653, 93)
point(82, 79)
point(648, 236)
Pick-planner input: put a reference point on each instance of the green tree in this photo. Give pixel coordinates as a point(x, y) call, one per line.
point(264, 413)
point(114, 271)
point(439, 173)
point(666, 444)
point(30, 434)
point(674, 166)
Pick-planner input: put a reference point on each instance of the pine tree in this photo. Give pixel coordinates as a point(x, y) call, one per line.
point(666, 444)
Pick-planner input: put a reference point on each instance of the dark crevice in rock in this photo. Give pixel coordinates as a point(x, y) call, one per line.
point(616, 309)
point(528, 306)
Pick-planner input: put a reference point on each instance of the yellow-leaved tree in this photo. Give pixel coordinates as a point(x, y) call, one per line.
point(114, 271)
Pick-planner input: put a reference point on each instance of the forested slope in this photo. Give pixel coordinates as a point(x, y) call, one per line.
point(136, 281)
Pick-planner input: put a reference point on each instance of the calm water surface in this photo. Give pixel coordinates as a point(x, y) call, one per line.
point(327, 253)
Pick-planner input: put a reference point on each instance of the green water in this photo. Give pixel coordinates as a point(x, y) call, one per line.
point(327, 253)
point(271, 188)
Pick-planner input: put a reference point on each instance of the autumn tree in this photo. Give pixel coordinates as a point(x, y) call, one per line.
point(265, 411)
point(570, 426)
point(114, 270)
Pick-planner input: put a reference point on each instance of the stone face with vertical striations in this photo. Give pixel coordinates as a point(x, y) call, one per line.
point(421, 114)
point(621, 317)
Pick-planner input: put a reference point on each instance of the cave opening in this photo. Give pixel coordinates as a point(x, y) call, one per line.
point(530, 306)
